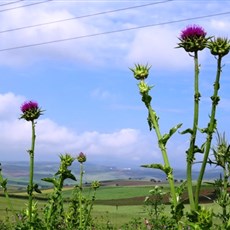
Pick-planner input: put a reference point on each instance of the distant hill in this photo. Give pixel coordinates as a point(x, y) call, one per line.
point(18, 173)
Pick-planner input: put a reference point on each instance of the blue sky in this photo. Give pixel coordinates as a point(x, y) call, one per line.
point(89, 95)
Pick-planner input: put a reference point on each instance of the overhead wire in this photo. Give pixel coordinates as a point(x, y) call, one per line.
point(101, 33)
point(22, 6)
point(114, 31)
point(9, 3)
point(84, 16)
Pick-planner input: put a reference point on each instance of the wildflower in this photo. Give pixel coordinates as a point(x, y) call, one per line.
point(141, 72)
point(193, 38)
point(219, 46)
point(192, 31)
point(30, 111)
point(81, 157)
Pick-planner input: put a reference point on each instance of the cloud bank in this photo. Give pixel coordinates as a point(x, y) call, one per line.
point(125, 146)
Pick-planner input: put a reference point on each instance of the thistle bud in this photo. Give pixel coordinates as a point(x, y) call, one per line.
point(219, 46)
point(81, 157)
point(141, 72)
point(66, 159)
point(95, 185)
point(30, 111)
point(143, 87)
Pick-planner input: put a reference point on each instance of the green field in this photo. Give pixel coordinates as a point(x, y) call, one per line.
point(117, 204)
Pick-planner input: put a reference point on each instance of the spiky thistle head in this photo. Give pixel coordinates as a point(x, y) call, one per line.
point(193, 38)
point(219, 46)
point(222, 151)
point(95, 185)
point(30, 111)
point(81, 157)
point(141, 72)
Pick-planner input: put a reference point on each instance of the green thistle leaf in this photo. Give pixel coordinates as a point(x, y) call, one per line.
point(36, 189)
point(198, 150)
point(4, 183)
point(187, 131)
point(166, 170)
point(154, 166)
point(166, 137)
point(50, 180)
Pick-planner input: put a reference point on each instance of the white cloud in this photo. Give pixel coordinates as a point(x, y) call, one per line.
point(42, 34)
point(154, 44)
point(101, 94)
point(157, 46)
point(10, 105)
point(52, 139)
point(126, 146)
point(219, 26)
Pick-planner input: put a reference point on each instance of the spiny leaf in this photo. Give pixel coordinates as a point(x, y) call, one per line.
point(68, 175)
point(166, 170)
point(166, 137)
point(187, 131)
point(36, 189)
point(50, 180)
point(4, 183)
point(197, 150)
point(47, 179)
point(204, 130)
point(203, 147)
point(154, 166)
point(180, 189)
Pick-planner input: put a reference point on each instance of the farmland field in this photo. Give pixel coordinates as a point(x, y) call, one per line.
point(118, 201)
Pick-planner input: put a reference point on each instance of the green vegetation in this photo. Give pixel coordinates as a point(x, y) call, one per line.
point(117, 204)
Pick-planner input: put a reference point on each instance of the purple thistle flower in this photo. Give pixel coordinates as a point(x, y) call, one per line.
point(81, 157)
point(30, 105)
point(193, 31)
point(193, 38)
point(30, 111)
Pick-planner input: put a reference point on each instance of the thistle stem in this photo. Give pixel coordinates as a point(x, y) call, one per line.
point(210, 130)
point(31, 177)
point(225, 188)
point(90, 208)
point(190, 153)
point(162, 147)
point(80, 197)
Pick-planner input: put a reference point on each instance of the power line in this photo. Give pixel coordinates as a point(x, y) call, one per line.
point(83, 16)
point(114, 31)
point(31, 4)
point(9, 3)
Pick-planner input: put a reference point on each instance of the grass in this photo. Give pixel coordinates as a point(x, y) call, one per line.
point(117, 204)
point(103, 193)
point(117, 192)
point(116, 215)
